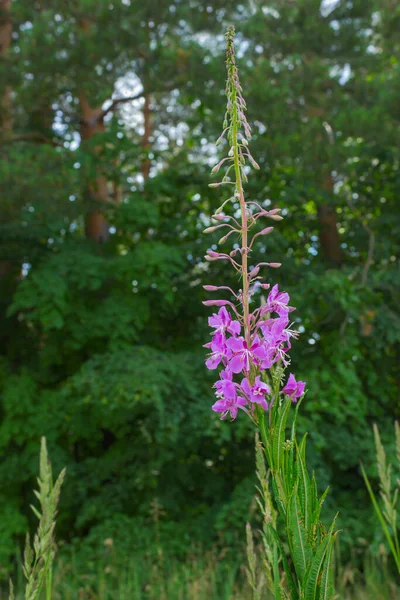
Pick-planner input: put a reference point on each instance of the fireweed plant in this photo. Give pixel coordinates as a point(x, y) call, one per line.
point(250, 349)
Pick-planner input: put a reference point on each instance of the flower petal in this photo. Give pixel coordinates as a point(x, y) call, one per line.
point(235, 344)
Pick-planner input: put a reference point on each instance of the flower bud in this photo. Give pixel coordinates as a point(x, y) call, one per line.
point(218, 217)
point(221, 137)
point(223, 240)
point(274, 265)
point(210, 288)
point(275, 217)
point(210, 229)
point(266, 231)
point(214, 185)
point(216, 302)
point(254, 272)
point(253, 162)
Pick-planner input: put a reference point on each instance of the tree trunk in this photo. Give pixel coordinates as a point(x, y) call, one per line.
point(328, 232)
point(96, 226)
point(6, 121)
point(146, 164)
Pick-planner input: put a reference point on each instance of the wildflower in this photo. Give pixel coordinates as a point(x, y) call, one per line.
point(222, 322)
point(294, 388)
point(256, 392)
point(243, 355)
point(219, 351)
point(225, 386)
point(278, 302)
point(256, 341)
point(229, 405)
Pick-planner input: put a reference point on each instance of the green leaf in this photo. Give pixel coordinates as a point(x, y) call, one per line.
point(279, 436)
point(313, 579)
point(304, 488)
point(288, 573)
point(317, 511)
point(327, 589)
point(300, 549)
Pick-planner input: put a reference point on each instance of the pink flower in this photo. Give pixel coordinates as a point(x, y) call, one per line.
point(219, 351)
point(225, 386)
point(257, 392)
point(244, 356)
point(278, 302)
point(294, 388)
point(229, 405)
point(277, 335)
point(222, 322)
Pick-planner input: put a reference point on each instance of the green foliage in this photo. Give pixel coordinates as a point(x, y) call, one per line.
point(109, 369)
point(299, 506)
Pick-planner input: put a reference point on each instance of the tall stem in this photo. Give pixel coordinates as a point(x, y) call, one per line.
point(244, 226)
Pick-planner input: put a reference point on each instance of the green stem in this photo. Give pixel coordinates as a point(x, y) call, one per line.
point(381, 519)
point(49, 579)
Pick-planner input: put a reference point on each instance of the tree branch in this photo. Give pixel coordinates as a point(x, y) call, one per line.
point(119, 101)
point(30, 136)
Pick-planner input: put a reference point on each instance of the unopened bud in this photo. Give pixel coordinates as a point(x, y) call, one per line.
point(221, 137)
point(275, 217)
point(210, 229)
point(266, 231)
point(214, 185)
point(253, 162)
point(210, 288)
point(223, 240)
point(215, 302)
point(274, 265)
point(254, 272)
point(218, 217)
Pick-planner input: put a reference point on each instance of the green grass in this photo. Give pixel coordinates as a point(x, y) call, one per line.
point(208, 577)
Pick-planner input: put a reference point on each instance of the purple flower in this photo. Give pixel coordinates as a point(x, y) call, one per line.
point(257, 392)
point(225, 386)
point(232, 405)
point(274, 330)
point(294, 388)
point(277, 335)
point(219, 351)
point(223, 322)
point(244, 356)
point(278, 302)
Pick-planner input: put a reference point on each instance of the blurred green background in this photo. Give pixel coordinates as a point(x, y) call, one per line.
point(109, 114)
